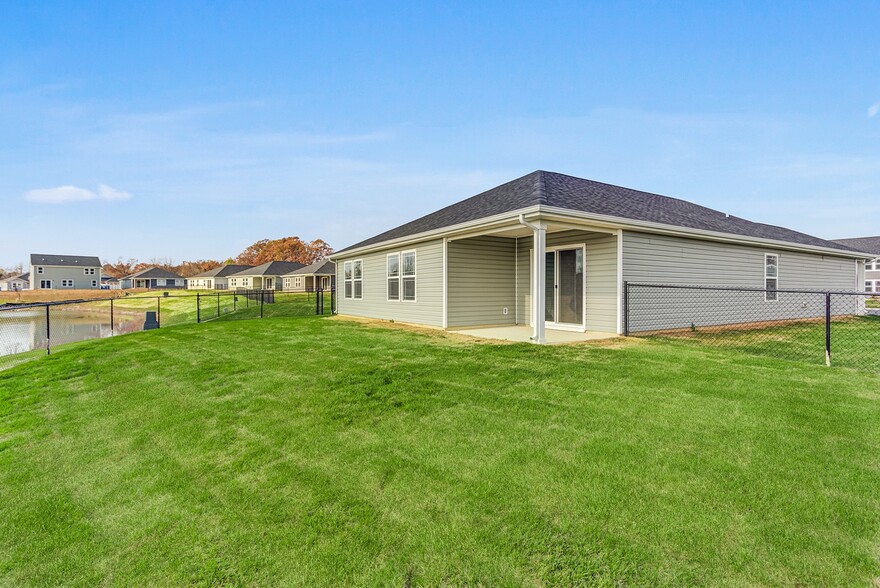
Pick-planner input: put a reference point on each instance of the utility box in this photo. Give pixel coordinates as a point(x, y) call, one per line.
point(151, 322)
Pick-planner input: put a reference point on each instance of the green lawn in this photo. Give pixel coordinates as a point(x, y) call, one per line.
point(318, 452)
point(855, 341)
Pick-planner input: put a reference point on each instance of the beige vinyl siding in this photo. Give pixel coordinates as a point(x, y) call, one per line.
point(662, 259)
point(481, 282)
point(428, 307)
point(601, 269)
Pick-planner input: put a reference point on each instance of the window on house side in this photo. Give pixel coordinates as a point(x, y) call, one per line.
point(408, 271)
point(393, 262)
point(771, 277)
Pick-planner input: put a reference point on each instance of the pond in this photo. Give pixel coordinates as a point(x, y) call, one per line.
point(24, 329)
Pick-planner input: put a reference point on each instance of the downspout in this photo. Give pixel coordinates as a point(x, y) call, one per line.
point(538, 281)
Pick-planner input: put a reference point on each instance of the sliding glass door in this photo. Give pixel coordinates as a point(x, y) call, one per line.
point(564, 287)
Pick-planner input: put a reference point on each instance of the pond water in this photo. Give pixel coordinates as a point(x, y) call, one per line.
point(24, 329)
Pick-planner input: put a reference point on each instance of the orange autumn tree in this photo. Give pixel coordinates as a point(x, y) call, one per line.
point(284, 249)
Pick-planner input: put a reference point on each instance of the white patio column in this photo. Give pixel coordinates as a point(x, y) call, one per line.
point(539, 231)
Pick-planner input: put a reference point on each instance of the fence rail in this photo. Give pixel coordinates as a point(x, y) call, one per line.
point(33, 330)
point(816, 326)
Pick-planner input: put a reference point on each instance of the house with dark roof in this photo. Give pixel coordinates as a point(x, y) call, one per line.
point(550, 253)
point(153, 278)
point(320, 275)
point(872, 264)
point(68, 272)
point(15, 283)
point(267, 276)
point(214, 279)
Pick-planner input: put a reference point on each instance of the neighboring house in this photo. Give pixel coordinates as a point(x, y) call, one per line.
point(320, 275)
point(15, 283)
point(214, 279)
point(65, 272)
point(872, 265)
point(268, 276)
point(554, 251)
point(154, 277)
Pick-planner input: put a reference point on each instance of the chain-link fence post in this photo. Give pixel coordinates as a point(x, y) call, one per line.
point(262, 297)
point(158, 312)
point(48, 333)
point(828, 329)
point(198, 307)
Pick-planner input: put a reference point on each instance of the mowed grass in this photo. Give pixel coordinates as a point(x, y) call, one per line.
point(320, 452)
point(855, 341)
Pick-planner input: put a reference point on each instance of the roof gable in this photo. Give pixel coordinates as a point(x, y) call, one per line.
point(581, 195)
point(154, 272)
point(222, 271)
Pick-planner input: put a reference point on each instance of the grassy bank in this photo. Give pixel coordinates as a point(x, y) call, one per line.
point(319, 452)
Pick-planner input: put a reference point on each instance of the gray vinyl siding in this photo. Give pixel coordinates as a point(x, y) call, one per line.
point(601, 269)
point(661, 259)
point(59, 273)
point(481, 282)
point(428, 307)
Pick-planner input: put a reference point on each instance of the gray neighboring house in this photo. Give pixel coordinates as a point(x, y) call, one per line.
point(64, 272)
point(268, 276)
point(214, 279)
point(872, 265)
point(15, 283)
point(552, 252)
point(320, 275)
point(153, 278)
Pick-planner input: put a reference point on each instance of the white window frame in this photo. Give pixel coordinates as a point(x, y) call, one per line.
point(67, 283)
point(389, 278)
point(45, 284)
point(404, 276)
point(297, 281)
point(88, 271)
point(160, 281)
point(352, 281)
point(94, 283)
point(767, 293)
point(39, 269)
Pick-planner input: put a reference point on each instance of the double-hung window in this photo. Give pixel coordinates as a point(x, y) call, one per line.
point(67, 283)
point(771, 277)
point(94, 283)
point(869, 286)
point(353, 274)
point(393, 276)
point(89, 271)
point(408, 273)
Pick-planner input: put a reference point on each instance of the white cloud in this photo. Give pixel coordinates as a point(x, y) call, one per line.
point(67, 194)
point(873, 110)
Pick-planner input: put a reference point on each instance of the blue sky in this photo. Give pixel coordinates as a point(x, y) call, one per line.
point(192, 129)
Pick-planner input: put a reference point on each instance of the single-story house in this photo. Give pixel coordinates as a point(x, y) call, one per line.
point(320, 275)
point(552, 251)
point(154, 277)
point(15, 283)
point(872, 264)
point(214, 279)
point(268, 276)
point(68, 272)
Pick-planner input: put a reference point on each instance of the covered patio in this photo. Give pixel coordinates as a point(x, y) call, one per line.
point(524, 334)
point(538, 279)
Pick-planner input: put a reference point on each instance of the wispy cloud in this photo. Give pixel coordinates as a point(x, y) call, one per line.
point(68, 194)
point(873, 110)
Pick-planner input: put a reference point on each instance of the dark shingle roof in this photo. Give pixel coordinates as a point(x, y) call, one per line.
point(153, 273)
point(568, 192)
point(865, 244)
point(65, 260)
point(222, 270)
point(272, 268)
point(320, 268)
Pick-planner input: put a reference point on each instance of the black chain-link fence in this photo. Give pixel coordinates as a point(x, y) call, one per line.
point(34, 330)
point(820, 327)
